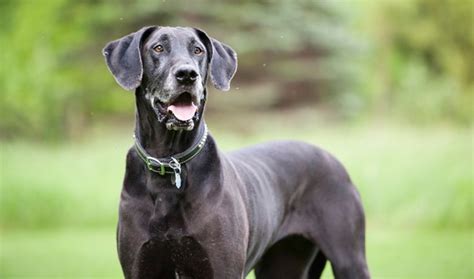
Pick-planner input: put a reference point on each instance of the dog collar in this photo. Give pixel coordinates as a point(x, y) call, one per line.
point(172, 164)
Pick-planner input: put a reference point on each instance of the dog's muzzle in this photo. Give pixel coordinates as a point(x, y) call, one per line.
point(178, 114)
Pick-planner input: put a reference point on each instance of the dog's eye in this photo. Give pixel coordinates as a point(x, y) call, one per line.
point(198, 51)
point(158, 48)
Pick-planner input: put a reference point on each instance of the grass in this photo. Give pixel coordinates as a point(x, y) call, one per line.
point(90, 253)
point(58, 202)
point(64, 253)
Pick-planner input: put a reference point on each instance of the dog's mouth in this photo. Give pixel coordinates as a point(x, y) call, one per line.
point(179, 113)
point(182, 107)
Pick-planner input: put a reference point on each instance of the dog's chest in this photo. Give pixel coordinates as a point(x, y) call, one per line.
point(188, 256)
point(170, 214)
point(169, 230)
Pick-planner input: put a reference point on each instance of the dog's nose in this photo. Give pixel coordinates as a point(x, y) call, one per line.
point(186, 75)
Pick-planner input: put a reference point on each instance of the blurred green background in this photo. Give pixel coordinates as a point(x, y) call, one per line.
point(386, 86)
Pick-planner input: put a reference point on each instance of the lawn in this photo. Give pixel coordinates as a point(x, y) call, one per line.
point(90, 253)
point(58, 202)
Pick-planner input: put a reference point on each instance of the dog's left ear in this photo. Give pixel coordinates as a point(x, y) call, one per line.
point(222, 61)
point(123, 57)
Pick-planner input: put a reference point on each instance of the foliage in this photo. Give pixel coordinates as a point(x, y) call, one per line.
point(412, 59)
point(44, 66)
point(423, 59)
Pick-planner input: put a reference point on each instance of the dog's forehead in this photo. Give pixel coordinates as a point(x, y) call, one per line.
point(174, 34)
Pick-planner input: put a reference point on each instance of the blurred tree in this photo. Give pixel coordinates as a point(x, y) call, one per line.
point(43, 67)
point(424, 58)
point(296, 48)
point(54, 76)
point(414, 57)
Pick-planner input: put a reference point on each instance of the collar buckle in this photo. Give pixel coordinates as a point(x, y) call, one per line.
point(155, 165)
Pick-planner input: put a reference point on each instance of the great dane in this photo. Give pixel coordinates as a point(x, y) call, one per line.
point(187, 210)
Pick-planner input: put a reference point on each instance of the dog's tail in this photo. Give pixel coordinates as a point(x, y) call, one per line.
point(317, 266)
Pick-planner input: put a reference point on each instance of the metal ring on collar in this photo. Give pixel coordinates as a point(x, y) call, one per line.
point(174, 164)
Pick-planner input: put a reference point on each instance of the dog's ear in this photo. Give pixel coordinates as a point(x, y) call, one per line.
point(124, 59)
point(222, 61)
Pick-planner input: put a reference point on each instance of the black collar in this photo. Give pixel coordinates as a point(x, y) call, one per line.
point(172, 164)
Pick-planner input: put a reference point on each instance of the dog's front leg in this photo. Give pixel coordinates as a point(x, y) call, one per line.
point(152, 261)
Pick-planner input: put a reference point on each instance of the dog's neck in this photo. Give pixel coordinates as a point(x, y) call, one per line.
point(153, 135)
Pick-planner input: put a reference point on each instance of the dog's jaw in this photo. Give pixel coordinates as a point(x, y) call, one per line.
point(168, 113)
point(177, 125)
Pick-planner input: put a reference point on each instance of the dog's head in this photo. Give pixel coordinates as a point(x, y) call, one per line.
point(171, 65)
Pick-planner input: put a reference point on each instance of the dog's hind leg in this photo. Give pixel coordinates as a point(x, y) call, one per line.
point(338, 228)
point(317, 266)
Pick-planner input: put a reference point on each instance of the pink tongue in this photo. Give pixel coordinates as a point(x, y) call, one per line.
point(183, 112)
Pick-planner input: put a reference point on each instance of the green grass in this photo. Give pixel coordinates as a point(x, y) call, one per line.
point(65, 253)
point(58, 202)
point(75, 253)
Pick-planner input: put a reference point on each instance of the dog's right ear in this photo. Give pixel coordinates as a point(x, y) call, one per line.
point(123, 58)
point(222, 60)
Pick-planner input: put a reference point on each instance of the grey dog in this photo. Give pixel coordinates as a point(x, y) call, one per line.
point(187, 210)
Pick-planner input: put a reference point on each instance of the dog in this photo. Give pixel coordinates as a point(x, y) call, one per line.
point(187, 210)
